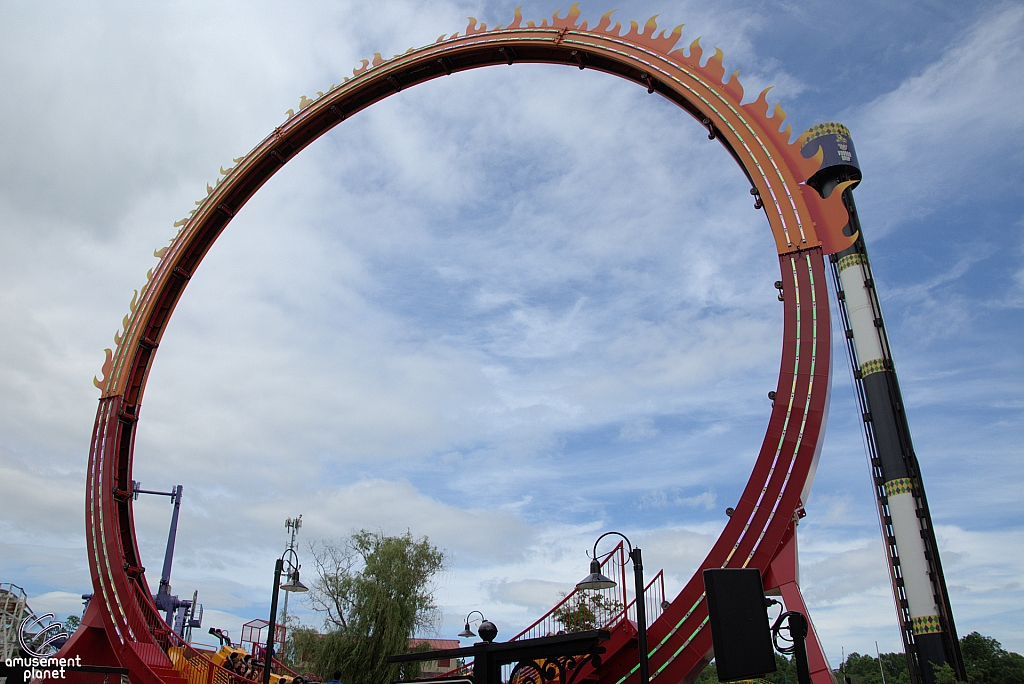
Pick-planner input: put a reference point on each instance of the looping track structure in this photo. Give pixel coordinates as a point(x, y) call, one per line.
point(762, 531)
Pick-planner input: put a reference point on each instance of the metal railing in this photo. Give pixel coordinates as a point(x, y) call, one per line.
point(608, 611)
point(654, 599)
point(193, 666)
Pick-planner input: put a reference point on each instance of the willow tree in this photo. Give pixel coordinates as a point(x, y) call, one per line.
point(375, 592)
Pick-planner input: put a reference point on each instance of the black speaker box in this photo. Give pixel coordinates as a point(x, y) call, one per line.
point(739, 623)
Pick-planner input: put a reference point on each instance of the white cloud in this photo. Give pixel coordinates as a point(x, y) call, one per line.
point(936, 138)
point(538, 595)
point(60, 603)
point(460, 313)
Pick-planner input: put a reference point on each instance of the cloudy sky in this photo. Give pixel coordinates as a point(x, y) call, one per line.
point(480, 310)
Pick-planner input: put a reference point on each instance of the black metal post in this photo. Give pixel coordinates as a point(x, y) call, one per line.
point(798, 632)
point(268, 659)
point(641, 614)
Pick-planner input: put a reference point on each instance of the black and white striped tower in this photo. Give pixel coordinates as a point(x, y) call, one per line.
point(922, 603)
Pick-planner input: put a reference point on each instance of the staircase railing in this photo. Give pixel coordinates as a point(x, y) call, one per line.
point(607, 610)
point(654, 599)
point(194, 666)
point(610, 610)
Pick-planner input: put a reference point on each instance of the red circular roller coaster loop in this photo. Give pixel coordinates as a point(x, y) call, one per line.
point(120, 627)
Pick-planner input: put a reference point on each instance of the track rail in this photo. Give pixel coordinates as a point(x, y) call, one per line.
point(804, 227)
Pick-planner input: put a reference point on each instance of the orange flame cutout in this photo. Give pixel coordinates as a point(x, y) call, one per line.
point(780, 114)
point(518, 19)
point(803, 168)
point(692, 59)
point(734, 87)
point(604, 22)
point(108, 365)
point(665, 43)
point(714, 67)
point(568, 22)
point(830, 217)
point(649, 38)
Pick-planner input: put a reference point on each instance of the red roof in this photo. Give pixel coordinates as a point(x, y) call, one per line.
point(435, 644)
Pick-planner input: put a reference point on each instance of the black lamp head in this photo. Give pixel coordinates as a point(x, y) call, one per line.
point(595, 580)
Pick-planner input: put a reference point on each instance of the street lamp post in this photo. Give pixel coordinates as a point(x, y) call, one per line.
point(293, 525)
point(596, 580)
point(487, 628)
point(293, 584)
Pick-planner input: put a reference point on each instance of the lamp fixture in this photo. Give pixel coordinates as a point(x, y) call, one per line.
point(596, 580)
point(487, 629)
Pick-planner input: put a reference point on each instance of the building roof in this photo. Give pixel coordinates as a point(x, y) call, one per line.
point(435, 644)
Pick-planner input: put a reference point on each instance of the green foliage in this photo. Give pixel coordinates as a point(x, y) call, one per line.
point(985, 660)
point(586, 610)
point(864, 669)
point(302, 648)
point(71, 623)
point(374, 591)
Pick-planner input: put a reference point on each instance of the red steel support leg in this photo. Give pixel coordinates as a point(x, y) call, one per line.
point(90, 641)
point(784, 576)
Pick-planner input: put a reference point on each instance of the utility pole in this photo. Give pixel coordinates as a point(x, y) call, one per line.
point(292, 525)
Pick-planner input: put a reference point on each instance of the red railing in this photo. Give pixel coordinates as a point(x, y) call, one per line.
point(654, 599)
point(611, 605)
point(194, 666)
point(612, 609)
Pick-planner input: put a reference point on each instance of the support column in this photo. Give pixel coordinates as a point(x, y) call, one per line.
point(919, 588)
point(783, 579)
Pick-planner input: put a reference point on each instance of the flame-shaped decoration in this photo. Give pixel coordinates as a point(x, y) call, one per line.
point(802, 224)
point(108, 365)
point(568, 22)
point(830, 217)
point(517, 19)
point(802, 166)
